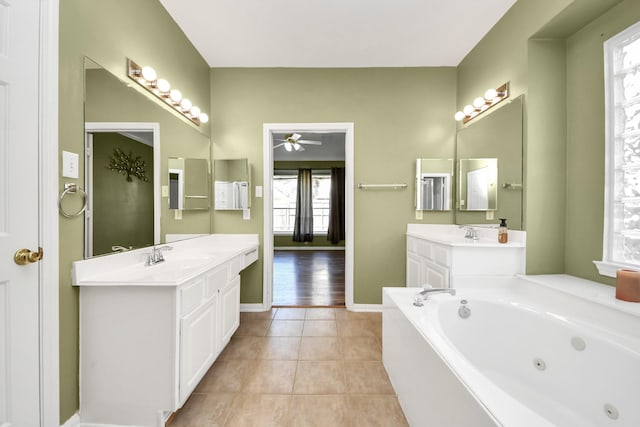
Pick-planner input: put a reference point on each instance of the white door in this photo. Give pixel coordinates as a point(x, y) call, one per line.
point(19, 290)
point(478, 189)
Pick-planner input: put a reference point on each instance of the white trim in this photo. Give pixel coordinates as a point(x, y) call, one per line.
point(267, 145)
point(48, 214)
point(610, 269)
point(372, 308)
point(252, 307)
point(129, 127)
point(74, 421)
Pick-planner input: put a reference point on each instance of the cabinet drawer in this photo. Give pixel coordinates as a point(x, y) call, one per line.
point(217, 278)
point(249, 257)
point(235, 265)
point(423, 248)
point(191, 295)
point(441, 255)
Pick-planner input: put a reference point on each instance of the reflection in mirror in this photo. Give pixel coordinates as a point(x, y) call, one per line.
point(122, 175)
point(232, 184)
point(433, 177)
point(497, 134)
point(188, 184)
point(477, 186)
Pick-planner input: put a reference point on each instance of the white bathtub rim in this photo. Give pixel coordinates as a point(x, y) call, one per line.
point(500, 406)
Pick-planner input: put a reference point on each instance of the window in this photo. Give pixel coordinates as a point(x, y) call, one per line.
point(285, 184)
point(622, 182)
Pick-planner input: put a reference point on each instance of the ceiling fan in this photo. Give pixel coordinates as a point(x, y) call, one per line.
point(293, 142)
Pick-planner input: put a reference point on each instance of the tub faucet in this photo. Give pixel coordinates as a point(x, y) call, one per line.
point(156, 255)
point(426, 292)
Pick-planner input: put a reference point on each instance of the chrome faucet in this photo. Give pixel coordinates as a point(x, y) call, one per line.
point(426, 292)
point(156, 255)
point(471, 233)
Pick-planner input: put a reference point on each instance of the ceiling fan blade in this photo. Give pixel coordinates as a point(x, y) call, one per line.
point(287, 146)
point(279, 145)
point(295, 136)
point(308, 142)
point(283, 140)
point(301, 148)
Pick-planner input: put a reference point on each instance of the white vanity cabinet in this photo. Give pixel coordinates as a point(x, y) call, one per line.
point(440, 256)
point(144, 347)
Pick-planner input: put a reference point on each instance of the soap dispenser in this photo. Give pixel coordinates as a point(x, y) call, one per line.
point(503, 232)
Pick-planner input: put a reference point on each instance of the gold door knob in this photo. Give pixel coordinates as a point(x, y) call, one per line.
point(25, 256)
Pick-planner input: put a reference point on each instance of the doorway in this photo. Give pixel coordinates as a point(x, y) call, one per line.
point(323, 259)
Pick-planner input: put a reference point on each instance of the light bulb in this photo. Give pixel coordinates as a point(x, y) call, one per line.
point(459, 116)
point(185, 104)
point(149, 74)
point(468, 110)
point(490, 94)
point(163, 86)
point(204, 118)
point(175, 95)
point(478, 102)
point(195, 111)
point(287, 146)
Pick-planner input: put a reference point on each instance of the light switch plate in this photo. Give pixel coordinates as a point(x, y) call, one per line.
point(246, 214)
point(178, 214)
point(489, 215)
point(165, 191)
point(258, 190)
point(70, 162)
point(418, 214)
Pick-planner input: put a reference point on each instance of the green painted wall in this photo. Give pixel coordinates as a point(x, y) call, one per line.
point(122, 210)
point(399, 115)
point(109, 32)
point(585, 138)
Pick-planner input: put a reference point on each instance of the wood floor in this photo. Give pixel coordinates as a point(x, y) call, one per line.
point(309, 278)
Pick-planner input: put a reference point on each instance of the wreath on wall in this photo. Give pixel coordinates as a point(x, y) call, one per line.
point(128, 165)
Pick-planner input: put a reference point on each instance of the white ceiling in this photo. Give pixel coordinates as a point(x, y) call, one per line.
point(335, 33)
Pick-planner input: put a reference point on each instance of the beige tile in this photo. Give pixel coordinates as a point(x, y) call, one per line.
point(258, 315)
point(319, 377)
point(253, 328)
point(225, 376)
point(259, 411)
point(361, 348)
point(320, 314)
point(271, 377)
point(367, 377)
point(344, 314)
point(290, 313)
point(373, 411)
point(204, 410)
point(318, 411)
point(280, 348)
point(286, 328)
point(320, 328)
point(357, 328)
point(319, 348)
point(242, 348)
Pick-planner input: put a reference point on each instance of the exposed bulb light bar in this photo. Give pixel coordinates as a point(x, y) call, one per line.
point(161, 88)
point(491, 98)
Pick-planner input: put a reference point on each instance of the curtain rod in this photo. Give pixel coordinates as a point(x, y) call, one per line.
point(381, 186)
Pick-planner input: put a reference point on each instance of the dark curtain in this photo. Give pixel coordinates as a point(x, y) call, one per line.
point(303, 229)
point(336, 206)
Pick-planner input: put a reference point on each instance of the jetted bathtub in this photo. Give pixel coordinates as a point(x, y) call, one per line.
point(538, 351)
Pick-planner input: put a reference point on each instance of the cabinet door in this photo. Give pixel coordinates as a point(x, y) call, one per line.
point(414, 270)
point(230, 307)
point(197, 345)
point(435, 275)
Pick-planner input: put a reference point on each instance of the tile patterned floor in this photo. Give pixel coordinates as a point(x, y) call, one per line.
point(297, 367)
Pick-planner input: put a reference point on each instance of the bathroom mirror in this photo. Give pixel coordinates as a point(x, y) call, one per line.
point(188, 184)
point(477, 184)
point(433, 184)
point(124, 185)
point(494, 135)
point(232, 184)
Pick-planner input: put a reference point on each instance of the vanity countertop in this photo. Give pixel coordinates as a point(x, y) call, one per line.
point(453, 235)
point(187, 259)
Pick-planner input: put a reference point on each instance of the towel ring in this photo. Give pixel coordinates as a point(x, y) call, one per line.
point(70, 188)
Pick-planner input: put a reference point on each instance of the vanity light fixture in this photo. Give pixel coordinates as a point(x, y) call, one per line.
point(491, 98)
point(161, 88)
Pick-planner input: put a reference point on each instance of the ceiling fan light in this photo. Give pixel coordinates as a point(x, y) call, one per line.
point(287, 146)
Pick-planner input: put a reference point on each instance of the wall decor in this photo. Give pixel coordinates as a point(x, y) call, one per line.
point(128, 165)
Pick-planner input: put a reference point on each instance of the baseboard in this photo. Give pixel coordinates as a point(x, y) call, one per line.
point(252, 307)
point(366, 307)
